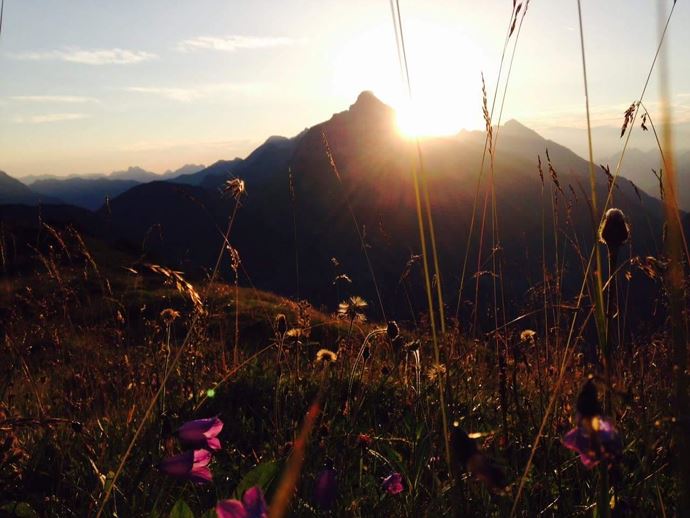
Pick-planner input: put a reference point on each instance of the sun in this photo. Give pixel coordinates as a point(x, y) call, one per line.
point(429, 117)
point(444, 69)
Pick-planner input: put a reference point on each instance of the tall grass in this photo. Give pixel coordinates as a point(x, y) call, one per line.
point(378, 419)
point(675, 287)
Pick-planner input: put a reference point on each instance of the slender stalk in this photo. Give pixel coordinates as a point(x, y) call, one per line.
point(420, 223)
point(603, 507)
point(675, 287)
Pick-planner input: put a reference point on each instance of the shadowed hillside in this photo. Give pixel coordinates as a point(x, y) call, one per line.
point(375, 165)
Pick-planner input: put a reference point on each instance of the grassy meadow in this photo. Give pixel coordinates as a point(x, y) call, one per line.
point(333, 411)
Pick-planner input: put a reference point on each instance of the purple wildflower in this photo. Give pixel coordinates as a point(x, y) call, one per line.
point(326, 488)
point(201, 433)
point(393, 483)
point(252, 505)
point(191, 465)
point(595, 437)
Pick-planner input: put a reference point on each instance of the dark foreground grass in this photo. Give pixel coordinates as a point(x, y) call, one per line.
point(83, 359)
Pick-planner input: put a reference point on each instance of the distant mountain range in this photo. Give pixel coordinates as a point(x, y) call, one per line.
point(14, 191)
point(91, 191)
point(299, 214)
point(638, 166)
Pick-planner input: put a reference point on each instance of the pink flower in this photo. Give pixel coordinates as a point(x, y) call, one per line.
point(393, 483)
point(201, 433)
point(191, 465)
point(252, 505)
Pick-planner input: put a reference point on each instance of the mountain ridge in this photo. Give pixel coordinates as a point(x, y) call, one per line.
point(298, 213)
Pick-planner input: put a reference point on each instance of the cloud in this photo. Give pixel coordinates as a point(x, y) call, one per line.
point(114, 56)
point(186, 94)
point(50, 117)
point(232, 43)
point(53, 99)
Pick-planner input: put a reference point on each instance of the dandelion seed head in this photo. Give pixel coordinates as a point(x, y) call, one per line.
point(527, 335)
point(169, 315)
point(326, 356)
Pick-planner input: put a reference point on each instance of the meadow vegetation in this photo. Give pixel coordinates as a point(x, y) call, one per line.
point(111, 361)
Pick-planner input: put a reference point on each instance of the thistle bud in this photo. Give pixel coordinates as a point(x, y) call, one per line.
point(588, 400)
point(614, 230)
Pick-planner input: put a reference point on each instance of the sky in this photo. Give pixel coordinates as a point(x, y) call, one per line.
point(95, 86)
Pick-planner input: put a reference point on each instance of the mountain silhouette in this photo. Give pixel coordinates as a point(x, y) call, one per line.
point(14, 191)
point(299, 214)
point(91, 191)
point(86, 192)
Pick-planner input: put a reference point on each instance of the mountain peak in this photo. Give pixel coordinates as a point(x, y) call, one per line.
point(367, 102)
point(516, 128)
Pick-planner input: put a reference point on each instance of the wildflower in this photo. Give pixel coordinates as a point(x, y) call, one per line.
point(201, 433)
point(169, 315)
point(436, 371)
point(467, 456)
point(326, 488)
point(595, 437)
point(253, 505)
point(353, 309)
point(393, 483)
point(364, 440)
point(191, 465)
point(326, 356)
point(234, 187)
point(614, 230)
point(527, 335)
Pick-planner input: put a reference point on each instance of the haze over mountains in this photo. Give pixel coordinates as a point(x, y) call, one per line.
point(299, 214)
point(91, 191)
point(639, 167)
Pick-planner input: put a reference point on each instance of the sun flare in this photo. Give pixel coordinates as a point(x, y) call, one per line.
point(428, 118)
point(444, 71)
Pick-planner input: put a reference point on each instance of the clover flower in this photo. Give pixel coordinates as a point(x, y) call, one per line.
point(393, 483)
